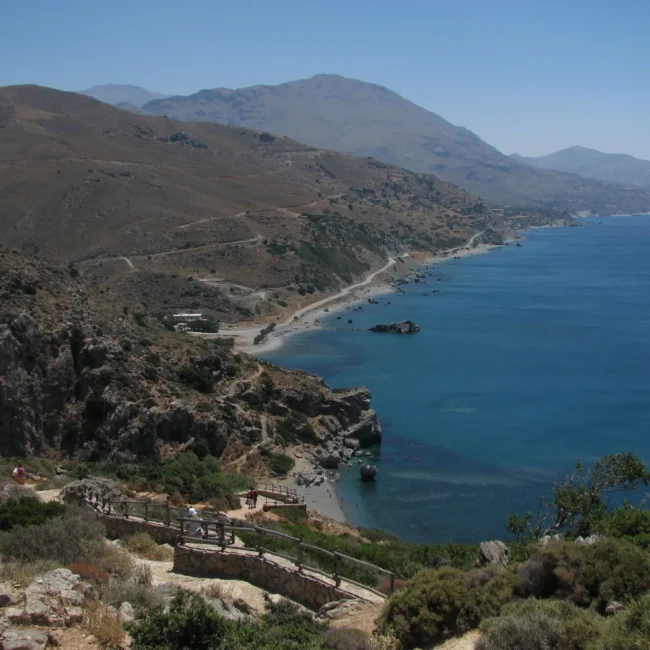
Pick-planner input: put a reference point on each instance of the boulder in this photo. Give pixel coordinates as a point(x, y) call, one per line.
point(368, 472)
point(91, 489)
point(367, 431)
point(613, 606)
point(7, 597)
point(331, 460)
point(494, 553)
point(403, 327)
point(23, 640)
point(126, 612)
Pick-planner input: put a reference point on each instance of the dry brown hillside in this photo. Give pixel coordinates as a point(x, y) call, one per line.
point(87, 183)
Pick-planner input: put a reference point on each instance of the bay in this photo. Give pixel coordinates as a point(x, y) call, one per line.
point(529, 358)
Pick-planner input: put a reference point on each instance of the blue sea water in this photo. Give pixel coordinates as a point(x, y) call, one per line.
point(528, 358)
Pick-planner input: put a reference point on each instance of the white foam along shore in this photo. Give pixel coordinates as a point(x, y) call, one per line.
point(375, 283)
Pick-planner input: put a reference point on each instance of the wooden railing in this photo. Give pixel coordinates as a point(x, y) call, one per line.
point(221, 534)
point(281, 489)
point(198, 532)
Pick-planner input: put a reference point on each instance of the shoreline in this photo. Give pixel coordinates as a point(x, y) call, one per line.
point(377, 283)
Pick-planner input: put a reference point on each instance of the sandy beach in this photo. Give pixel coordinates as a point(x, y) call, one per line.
point(323, 499)
point(377, 283)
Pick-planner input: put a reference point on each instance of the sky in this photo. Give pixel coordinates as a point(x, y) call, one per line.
point(527, 76)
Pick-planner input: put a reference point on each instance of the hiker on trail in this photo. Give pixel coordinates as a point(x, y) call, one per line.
point(195, 523)
point(19, 474)
point(250, 499)
point(255, 495)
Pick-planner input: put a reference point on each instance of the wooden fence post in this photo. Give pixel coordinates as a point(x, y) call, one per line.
point(260, 540)
point(146, 511)
point(337, 568)
point(109, 507)
point(301, 556)
point(222, 536)
point(392, 583)
point(182, 536)
point(168, 516)
point(126, 509)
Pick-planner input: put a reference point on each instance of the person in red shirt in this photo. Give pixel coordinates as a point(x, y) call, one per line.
point(19, 474)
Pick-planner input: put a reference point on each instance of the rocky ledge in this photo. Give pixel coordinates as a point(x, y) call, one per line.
point(403, 327)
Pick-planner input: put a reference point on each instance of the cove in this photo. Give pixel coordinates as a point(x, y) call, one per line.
point(529, 358)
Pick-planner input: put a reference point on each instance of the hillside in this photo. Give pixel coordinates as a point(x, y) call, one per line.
point(614, 168)
point(148, 206)
point(122, 94)
point(85, 375)
point(369, 120)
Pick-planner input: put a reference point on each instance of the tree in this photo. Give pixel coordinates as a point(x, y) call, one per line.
point(577, 503)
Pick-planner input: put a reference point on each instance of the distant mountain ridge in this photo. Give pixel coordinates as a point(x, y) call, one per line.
point(609, 167)
point(117, 94)
point(368, 120)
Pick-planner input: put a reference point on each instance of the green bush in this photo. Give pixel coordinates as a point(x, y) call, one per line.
point(191, 623)
point(627, 522)
point(196, 479)
point(347, 639)
point(587, 574)
point(198, 378)
point(281, 464)
point(541, 625)
point(63, 539)
point(27, 511)
point(439, 604)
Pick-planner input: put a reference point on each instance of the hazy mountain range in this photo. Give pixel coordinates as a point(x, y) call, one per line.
point(365, 119)
point(610, 167)
point(119, 94)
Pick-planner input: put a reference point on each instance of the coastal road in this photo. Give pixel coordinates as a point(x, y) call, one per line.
point(344, 292)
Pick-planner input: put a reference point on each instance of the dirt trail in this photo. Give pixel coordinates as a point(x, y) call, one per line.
point(466, 642)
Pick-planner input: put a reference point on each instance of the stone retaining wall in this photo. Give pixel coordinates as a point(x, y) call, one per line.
point(261, 571)
point(300, 507)
point(120, 527)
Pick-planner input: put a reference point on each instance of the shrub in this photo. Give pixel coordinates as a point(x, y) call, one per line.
point(587, 574)
point(26, 511)
point(281, 463)
point(438, 604)
point(200, 379)
point(627, 522)
point(541, 625)
point(189, 623)
point(23, 573)
point(62, 539)
point(629, 629)
point(143, 545)
point(137, 591)
point(104, 624)
point(347, 639)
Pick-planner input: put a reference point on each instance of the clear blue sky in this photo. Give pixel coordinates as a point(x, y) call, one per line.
point(530, 76)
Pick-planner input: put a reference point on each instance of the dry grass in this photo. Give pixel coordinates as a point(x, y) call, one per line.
point(23, 573)
point(213, 590)
point(105, 625)
point(113, 559)
point(143, 545)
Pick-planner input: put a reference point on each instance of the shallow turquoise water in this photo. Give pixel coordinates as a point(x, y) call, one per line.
point(529, 357)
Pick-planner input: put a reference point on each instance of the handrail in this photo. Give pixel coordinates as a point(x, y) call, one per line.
point(200, 533)
point(339, 558)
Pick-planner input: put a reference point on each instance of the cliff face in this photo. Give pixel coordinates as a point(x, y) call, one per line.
point(83, 376)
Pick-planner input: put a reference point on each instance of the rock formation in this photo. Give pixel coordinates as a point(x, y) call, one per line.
point(368, 472)
point(403, 327)
point(494, 553)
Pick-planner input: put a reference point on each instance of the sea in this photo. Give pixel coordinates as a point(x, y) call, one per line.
point(529, 358)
